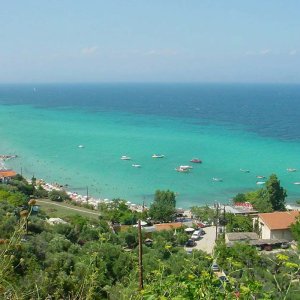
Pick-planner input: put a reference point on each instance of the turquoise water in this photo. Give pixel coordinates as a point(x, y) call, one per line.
point(46, 141)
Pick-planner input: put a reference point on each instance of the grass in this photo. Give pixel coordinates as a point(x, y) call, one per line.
point(62, 210)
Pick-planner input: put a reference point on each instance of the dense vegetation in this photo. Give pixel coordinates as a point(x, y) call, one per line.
point(267, 199)
point(85, 259)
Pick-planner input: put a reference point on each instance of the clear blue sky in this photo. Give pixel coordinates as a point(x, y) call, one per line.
point(150, 40)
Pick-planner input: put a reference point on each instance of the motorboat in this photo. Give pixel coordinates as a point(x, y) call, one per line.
point(291, 170)
point(136, 165)
point(260, 182)
point(124, 157)
point(182, 170)
point(244, 170)
point(158, 156)
point(186, 167)
point(260, 176)
point(196, 161)
point(297, 182)
point(80, 146)
point(217, 179)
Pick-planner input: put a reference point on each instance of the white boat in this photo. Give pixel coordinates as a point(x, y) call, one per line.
point(244, 170)
point(186, 167)
point(260, 182)
point(136, 165)
point(291, 170)
point(158, 156)
point(182, 170)
point(217, 179)
point(297, 182)
point(124, 157)
point(80, 146)
point(260, 176)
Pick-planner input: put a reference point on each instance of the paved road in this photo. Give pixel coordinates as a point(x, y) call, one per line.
point(207, 242)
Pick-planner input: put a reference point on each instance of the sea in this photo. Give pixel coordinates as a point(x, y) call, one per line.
point(75, 135)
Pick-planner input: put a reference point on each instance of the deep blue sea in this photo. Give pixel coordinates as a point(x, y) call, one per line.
point(228, 126)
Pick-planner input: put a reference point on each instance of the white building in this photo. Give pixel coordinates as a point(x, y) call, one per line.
point(277, 225)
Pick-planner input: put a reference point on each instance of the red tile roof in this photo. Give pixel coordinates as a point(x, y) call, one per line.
point(280, 219)
point(7, 173)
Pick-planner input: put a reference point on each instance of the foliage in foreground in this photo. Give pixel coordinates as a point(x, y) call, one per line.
point(84, 259)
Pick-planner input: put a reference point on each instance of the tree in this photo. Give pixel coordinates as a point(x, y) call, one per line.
point(239, 223)
point(262, 201)
point(275, 193)
point(163, 207)
point(203, 213)
point(295, 228)
point(239, 198)
point(58, 196)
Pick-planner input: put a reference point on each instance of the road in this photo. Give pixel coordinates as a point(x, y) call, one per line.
point(207, 242)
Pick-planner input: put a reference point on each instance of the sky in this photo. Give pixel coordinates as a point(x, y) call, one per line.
point(248, 41)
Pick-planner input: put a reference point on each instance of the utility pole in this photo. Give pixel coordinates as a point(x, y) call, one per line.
point(87, 194)
point(217, 220)
point(141, 285)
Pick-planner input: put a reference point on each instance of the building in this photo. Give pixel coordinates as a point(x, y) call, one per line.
point(277, 225)
point(6, 175)
point(233, 237)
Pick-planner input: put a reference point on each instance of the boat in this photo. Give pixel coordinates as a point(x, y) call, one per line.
point(291, 170)
point(217, 179)
point(185, 167)
point(297, 182)
point(136, 165)
point(80, 146)
point(260, 182)
point(260, 176)
point(244, 170)
point(196, 161)
point(158, 156)
point(124, 157)
point(182, 170)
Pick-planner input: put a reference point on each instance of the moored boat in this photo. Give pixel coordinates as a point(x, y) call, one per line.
point(186, 167)
point(182, 170)
point(297, 182)
point(125, 157)
point(244, 170)
point(136, 165)
point(216, 179)
point(158, 156)
point(260, 182)
point(196, 161)
point(260, 176)
point(291, 169)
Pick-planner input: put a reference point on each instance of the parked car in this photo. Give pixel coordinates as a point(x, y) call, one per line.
point(196, 235)
point(268, 248)
point(190, 243)
point(215, 267)
point(223, 279)
point(285, 245)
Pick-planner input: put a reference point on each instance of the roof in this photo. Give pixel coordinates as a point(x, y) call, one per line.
point(7, 173)
point(279, 219)
point(167, 226)
point(242, 236)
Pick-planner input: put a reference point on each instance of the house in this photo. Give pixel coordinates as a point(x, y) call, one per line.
point(277, 225)
point(6, 175)
point(232, 237)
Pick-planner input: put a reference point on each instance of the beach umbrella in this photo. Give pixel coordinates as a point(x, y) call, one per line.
point(189, 229)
